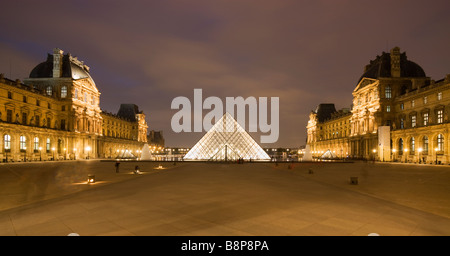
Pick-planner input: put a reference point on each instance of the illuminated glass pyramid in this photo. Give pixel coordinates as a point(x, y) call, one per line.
point(226, 140)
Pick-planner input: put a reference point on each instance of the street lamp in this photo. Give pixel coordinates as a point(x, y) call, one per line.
point(393, 151)
point(65, 153)
point(406, 154)
point(74, 153)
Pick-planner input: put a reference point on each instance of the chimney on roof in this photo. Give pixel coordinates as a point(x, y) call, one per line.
point(395, 62)
point(57, 62)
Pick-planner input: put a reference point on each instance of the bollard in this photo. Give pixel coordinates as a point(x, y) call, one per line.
point(310, 171)
point(354, 180)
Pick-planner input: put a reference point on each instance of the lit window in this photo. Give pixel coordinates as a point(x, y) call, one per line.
point(402, 106)
point(425, 100)
point(413, 121)
point(36, 144)
point(49, 90)
point(63, 91)
point(412, 147)
point(48, 145)
point(22, 143)
point(439, 96)
point(425, 145)
point(425, 119)
point(402, 123)
point(388, 92)
point(85, 97)
point(440, 142)
point(413, 103)
point(388, 108)
point(440, 116)
point(7, 142)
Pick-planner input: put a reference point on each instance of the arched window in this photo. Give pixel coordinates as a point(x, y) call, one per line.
point(63, 91)
point(400, 146)
point(36, 144)
point(22, 143)
point(47, 147)
point(440, 142)
point(7, 142)
point(49, 90)
point(412, 145)
point(425, 145)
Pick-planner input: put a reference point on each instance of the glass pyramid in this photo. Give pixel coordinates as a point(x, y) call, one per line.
point(226, 140)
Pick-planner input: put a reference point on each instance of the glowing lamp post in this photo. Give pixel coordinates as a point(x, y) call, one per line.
point(65, 153)
point(74, 153)
point(393, 151)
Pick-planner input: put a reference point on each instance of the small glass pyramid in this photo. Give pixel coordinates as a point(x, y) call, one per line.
point(226, 140)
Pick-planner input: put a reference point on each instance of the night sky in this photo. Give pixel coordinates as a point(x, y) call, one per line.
point(149, 52)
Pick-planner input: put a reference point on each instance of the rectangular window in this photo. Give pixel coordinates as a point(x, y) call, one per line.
point(38, 102)
point(49, 121)
point(37, 121)
point(9, 116)
point(440, 142)
point(24, 99)
point(425, 119)
point(24, 118)
point(388, 92)
point(48, 145)
point(439, 96)
point(413, 103)
point(425, 100)
point(9, 95)
point(36, 144)
point(388, 108)
point(63, 124)
point(22, 143)
point(49, 106)
point(402, 106)
point(440, 116)
point(402, 123)
point(413, 121)
point(7, 141)
point(63, 108)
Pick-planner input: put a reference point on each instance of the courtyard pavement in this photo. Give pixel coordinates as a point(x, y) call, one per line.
point(224, 199)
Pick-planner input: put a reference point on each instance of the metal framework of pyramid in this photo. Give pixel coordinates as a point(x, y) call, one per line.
point(226, 140)
point(329, 155)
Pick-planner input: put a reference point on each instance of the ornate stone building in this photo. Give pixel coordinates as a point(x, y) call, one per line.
point(55, 114)
point(393, 101)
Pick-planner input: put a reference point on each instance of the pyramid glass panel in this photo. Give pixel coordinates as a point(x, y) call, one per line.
point(226, 140)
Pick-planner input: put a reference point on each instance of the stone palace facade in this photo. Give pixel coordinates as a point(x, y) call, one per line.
point(55, 114)
point(397, 114)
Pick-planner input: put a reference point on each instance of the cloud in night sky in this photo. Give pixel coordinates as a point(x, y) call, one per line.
point(149, 52)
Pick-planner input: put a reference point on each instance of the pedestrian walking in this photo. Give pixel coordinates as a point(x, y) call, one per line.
point(136, 169)
point(117, 166)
